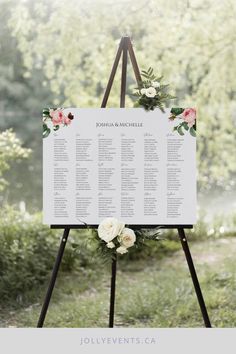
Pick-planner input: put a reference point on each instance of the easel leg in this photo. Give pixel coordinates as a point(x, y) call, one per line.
point(113, 291)
point(53, 278)
point(193, 273)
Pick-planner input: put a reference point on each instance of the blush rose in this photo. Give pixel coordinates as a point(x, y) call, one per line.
point(189, 116)
point(57, 116)
point(67, 121)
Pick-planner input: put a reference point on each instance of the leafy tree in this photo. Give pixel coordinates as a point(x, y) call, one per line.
point(21, 91)
point(10, 150)
point(192, 43)
point(22, 95)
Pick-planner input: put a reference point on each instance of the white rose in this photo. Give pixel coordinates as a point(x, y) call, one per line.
point(110, 245)
point(150, 92)
point(143, 91)
point(109, 228)
point(127, 238)
point(156, 84)
point(121, 250)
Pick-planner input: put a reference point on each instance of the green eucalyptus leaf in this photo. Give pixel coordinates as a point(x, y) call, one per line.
point(179, 130)
point(46, 111)
point(185, 125)
point(192, 131)
point(45, 127)
point(176, 111)
point(56, 127)
point(145, 75)
point(46, 131)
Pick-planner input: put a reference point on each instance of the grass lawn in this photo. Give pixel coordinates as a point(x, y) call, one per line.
point(153, 293)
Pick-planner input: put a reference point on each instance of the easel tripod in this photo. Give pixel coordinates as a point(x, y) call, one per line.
point(124, 49)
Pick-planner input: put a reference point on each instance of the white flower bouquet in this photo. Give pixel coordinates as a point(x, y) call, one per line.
point(151, 92)
point(114, 237)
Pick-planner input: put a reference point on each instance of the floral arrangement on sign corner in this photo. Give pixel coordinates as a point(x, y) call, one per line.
point(153, 94)
point(114, 237)
point(54, 118)
point(186, 120)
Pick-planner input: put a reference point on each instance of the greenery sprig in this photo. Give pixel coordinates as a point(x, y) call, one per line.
point(151, 92)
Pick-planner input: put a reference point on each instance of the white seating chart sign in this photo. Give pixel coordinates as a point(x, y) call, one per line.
point(126, 163)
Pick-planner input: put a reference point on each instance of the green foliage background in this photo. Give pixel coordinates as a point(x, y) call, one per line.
point(60, 53)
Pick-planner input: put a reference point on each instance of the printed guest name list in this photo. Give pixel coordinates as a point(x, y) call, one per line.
point(125, 163)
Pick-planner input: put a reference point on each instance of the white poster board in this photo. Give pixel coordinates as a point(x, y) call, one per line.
point(126, 163)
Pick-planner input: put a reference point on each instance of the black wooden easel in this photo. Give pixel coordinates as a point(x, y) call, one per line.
point(124, 49)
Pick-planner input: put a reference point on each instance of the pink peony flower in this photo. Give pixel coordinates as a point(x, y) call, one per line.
point(67, 120)
point(189, 116)
point(57, 116)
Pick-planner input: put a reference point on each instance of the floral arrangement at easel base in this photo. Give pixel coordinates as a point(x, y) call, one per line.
point(187, 121)
point(53, 119)
point(114, 237)
point(151, 92)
